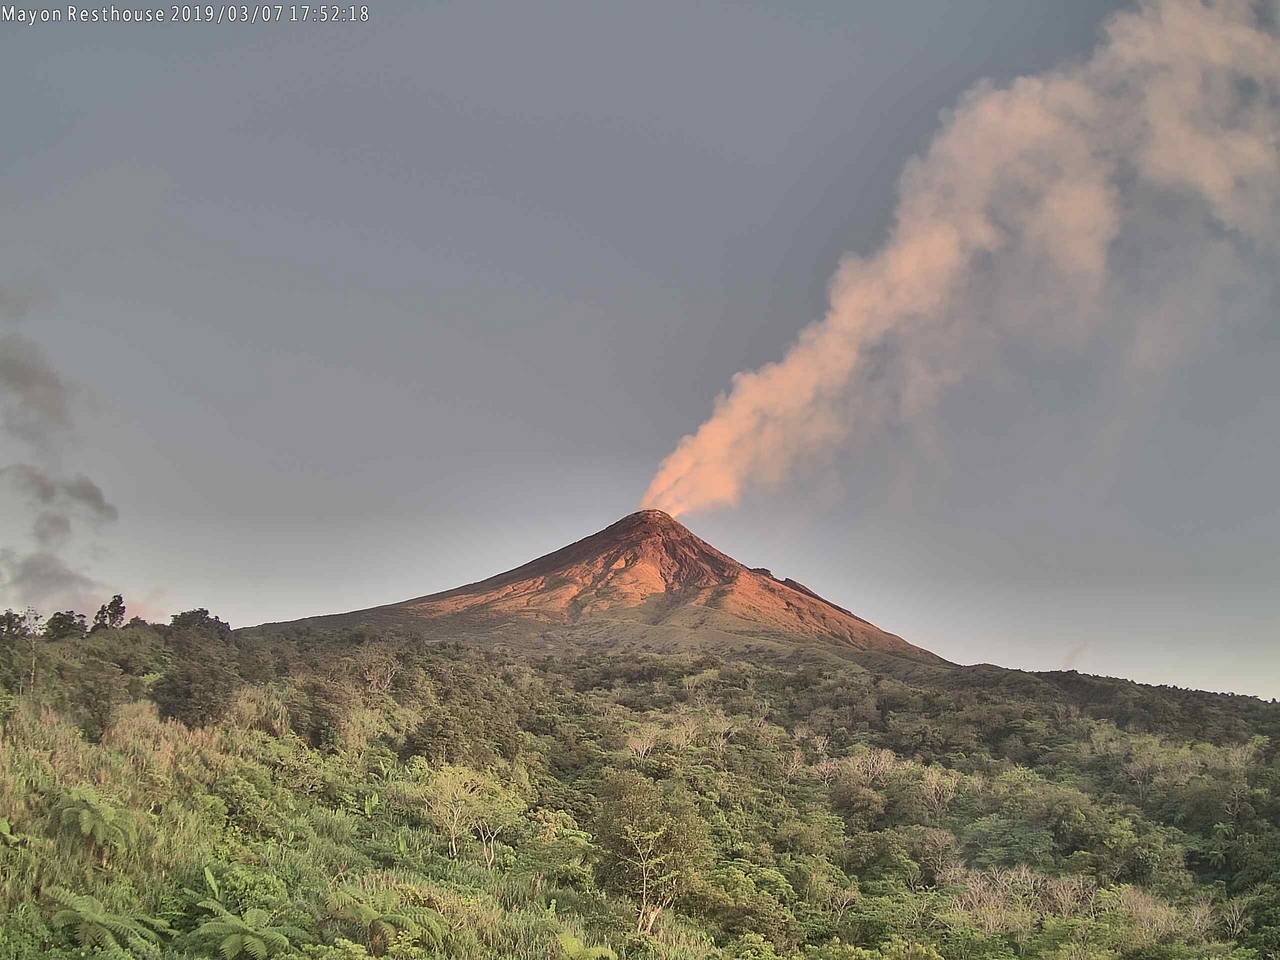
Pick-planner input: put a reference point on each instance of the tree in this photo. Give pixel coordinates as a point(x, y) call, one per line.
point(938, 789)
point(16, 627)
point(110, 616)
point(378, 917)
point(654, 842)
point(899, 949)
point(496, 809)
point(65, 625)
point(96, 927)
point(197, 689)
point(22, 629)
point(200, 621)
point(104, 686)
point(452, 799)
point(252, 935)
point(740, 905)
point(557, 850)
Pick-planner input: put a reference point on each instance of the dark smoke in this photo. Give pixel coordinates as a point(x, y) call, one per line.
point(49, 491)
point(51, 530)
point(36, 405)
point(35, 402)
point(43, 580)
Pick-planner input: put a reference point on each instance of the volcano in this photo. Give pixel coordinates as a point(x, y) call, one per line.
point(645, 580)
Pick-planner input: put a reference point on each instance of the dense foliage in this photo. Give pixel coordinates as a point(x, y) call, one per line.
point(186, 791)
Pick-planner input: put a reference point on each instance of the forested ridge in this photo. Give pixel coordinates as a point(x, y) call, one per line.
point(186, 791)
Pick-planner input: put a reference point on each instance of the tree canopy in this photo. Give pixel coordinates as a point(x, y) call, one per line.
point(186, 792)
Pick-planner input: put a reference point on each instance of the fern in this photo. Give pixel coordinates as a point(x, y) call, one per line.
point(94, 926)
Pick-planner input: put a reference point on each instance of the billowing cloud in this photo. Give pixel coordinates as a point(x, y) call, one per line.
point(1135, 193)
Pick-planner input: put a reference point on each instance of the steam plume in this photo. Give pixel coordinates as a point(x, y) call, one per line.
point(1138, 189)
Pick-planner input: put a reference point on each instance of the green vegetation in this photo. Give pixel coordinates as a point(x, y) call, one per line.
point(184, 791)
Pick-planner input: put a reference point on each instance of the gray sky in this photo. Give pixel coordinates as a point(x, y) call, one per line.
point(348, 313)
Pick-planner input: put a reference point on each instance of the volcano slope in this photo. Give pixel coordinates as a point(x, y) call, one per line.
point(645, 582)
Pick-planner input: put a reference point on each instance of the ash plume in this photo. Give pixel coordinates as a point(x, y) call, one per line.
point(49, 491)
point(35, 402)
point(50, 529)
point(1132, 196)
point(36, 410)
point(42, 579)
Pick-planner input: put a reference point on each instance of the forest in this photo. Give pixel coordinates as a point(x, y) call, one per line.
point(188, 791)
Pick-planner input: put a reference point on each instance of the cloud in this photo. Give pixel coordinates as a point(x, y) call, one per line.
point(1126, 196)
